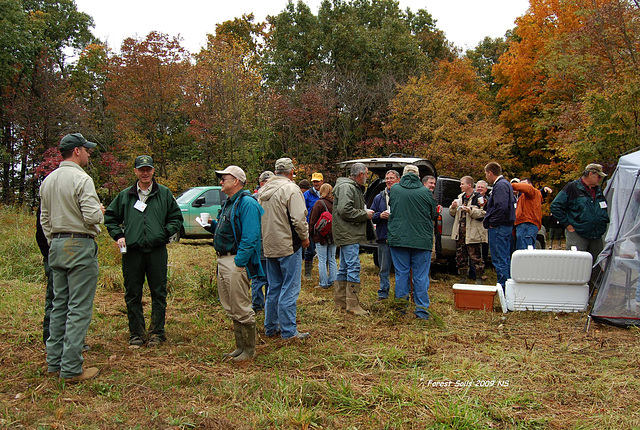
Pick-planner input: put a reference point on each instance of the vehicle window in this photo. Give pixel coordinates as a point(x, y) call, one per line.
point(450, 191)
point(187, 196)
point(211, 198)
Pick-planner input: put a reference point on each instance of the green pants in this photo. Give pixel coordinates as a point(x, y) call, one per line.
point(74, 266)
point(136, 265)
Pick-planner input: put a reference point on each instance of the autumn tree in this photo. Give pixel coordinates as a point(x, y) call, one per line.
point(569, 85)
point(35, 107)
point(447, 118)
point(227, 107)
point(145, 96)
point(353, 54)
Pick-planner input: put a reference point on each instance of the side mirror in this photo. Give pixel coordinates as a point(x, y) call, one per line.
point(199, 202)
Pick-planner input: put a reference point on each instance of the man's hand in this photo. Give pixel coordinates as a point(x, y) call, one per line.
point(202, 224)
point(384, 215)
point(306, 243)
point(369, 213)
point(122, 243)
point(570, 228)
point(102, 208)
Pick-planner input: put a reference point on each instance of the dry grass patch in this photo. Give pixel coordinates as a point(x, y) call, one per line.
point(463, 369)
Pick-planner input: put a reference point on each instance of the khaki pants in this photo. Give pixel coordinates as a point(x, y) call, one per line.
point(234, 290)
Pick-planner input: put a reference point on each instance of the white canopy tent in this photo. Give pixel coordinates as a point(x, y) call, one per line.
point(618, 289)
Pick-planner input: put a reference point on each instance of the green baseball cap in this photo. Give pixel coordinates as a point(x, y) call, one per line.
point(144, 161)
point(75, 140)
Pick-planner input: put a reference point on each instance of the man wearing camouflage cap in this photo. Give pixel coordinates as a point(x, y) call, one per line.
point(141, 219)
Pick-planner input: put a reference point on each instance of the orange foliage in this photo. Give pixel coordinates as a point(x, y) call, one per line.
point(446, 116)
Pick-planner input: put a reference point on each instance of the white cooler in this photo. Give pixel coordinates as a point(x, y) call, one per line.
point(548, 280)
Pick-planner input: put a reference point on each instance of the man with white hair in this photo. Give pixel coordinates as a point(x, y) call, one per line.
point(284, 232)
point(349, 226)
point(413, 210)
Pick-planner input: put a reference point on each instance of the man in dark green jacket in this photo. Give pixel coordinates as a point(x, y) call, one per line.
point(582, 209)
point(141, 219)
point(410, 237)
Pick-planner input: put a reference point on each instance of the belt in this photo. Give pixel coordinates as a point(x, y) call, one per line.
point(224, 254)
point(72, 235)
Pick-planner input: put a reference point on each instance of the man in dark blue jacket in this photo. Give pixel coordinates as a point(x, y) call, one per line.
point(582, 209)
point(380, 207)
point(499, 218)
point(311, 196)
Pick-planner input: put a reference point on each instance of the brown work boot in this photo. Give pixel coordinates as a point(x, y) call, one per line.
point(353, 303)
point(340, 295)
point(88, 373)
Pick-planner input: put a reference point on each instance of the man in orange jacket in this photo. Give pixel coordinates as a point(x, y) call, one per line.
point(528, 213)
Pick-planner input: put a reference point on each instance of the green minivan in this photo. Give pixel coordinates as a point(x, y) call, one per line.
point(195, 201)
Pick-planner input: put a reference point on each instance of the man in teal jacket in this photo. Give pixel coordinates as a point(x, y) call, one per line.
point(410, 237)
point(582, 209)
point(237, 235)
point(141, 219)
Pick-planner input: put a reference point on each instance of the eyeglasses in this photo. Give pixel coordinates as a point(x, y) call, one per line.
point(224, 178)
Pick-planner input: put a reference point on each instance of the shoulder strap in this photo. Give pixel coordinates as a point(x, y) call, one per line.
point(325, 205)
point(234, 216)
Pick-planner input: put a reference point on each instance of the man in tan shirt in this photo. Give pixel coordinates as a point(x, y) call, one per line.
point(71, 213)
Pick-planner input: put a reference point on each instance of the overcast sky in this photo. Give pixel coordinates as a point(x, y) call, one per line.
point(465, 22)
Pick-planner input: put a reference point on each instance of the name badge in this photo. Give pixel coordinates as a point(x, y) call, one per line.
point(140, 206)
point(603, 205)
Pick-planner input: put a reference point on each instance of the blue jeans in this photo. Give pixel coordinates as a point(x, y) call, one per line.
point(284, 275)
point(418, 262)
point(384, 260)
point(526, 235)
point(500, 247)
point(327, 254)
point(349, 269)
point(257, 293)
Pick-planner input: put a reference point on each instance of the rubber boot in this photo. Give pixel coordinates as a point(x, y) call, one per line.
point(237, 331)
point(340, 295)
point(308, 266)
point(353, 303)
point(248, 341)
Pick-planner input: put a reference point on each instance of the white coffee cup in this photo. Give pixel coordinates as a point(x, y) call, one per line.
point(123, 249)
point(205, 217)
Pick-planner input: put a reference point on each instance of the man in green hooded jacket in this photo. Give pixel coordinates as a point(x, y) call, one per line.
point(410, 237)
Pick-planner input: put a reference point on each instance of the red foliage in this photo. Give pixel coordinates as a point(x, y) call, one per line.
point(51, 161)
point(114, 172)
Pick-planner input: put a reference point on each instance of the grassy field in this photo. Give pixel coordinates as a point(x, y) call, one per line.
point(460, 370)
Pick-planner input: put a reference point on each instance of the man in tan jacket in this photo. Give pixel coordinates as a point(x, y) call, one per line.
point(284, 233)
point(467, 230)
